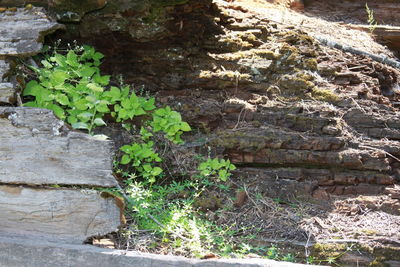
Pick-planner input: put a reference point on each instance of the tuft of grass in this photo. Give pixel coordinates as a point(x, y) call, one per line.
point(371, 19)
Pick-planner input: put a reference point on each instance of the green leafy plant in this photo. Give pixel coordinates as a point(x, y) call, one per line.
point(71, 85)
point(219, 168)
point(170, 122)
point(130, 106)
point(143, 158)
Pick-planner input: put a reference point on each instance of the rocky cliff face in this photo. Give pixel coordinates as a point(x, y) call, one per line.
point(45, 190)
point(268, 95)
point(301, 120)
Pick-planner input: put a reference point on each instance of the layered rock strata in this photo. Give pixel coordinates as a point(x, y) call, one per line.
point(47, 171)
point(271, 97)
point(21, 34)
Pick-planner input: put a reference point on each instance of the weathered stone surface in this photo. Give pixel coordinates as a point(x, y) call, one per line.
point(56, 214)
point(264, 94)
point(65, 10)
point(255, 139)
point(22, 31)
point(32, 253)
point(286, 182)
point(383, 125)
point(6, 88)
point(21, 34)
point(36, 148)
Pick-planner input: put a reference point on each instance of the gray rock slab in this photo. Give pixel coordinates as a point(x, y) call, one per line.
point(33, 253)
point(38, 149)
point(22, 32)
point(65, 215)
point(7, 91)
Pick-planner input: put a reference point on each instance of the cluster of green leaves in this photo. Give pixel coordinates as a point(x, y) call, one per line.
point(218, 168)
point(71, 85)
point(170, 122)
point(142, 156)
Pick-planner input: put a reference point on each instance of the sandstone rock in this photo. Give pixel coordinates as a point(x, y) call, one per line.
point(349, 158)
point(36, 148)
point(22, 32)
point(255, 139)
point(65, 10)
point(297, 5)
point(385, 124)
point(142, 20)
point(394, 192)
point(65, 215)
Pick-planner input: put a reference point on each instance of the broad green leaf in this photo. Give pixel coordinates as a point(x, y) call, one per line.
point(114, 94)
point(125, 92)
point(156, 171)
point(58, 111)
point(58, 77)
point(72, 59)
point(62, 99)
point(222, 174)
point(203, 166)
point(86, 71)
point(147, 167)
point(126, 103)
point(72, 119)
point(60, 59)
point(99, 122)
point(214, 164)
point(94, 87)
point(80, 125)
point(81, 104)
point(138, 112)
point(146, 153)
point(125, 159)
point(91, 99)
point(125, 148)
point(85, 116)
point(103, 80)
point(149, 104)
point(98, 56)
point(185, 127)
point(122, 115)
point(160, 112)
point(32, 104)
point(102, 108)
point(32, 88)
point(46, 64)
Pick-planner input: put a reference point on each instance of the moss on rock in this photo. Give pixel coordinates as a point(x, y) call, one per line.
point(325, 95)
